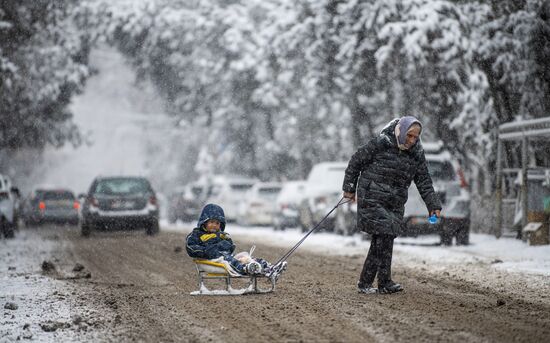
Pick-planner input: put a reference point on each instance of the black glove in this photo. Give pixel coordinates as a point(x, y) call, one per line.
point(212, 251)
point(225, 246)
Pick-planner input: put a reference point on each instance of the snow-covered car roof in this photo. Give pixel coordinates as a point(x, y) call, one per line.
point(262, 185)
point(233, 179)
point(259, 190)
point(292, 190)
point(325, 178)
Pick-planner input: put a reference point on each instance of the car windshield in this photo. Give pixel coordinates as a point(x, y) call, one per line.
point(57, 195)
point(122, 186)
point(269, 192)
point(441, 170)
point(196, 191)
point(240, 187)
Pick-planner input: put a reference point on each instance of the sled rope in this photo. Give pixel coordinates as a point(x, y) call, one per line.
point(291, 251)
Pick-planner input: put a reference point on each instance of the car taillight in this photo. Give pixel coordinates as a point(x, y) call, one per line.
point(94, 202)
point(463, 182)
point(153, 200)
point(76, 205)
point(42, 205)
point(284, 206)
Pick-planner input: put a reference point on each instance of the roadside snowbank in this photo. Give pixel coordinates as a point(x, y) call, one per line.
point(504, 254)
point(34, 305)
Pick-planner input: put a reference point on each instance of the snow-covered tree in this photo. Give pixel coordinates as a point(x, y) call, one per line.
point(43, 63)
point(271, 87)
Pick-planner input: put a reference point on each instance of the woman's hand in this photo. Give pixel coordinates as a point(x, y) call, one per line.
point(349, 195)
point(436, 212)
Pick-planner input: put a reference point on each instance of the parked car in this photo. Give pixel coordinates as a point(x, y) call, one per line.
point(120, 202)
point(51, 205)
point(322, 191)
point(346, 216)
point(259, 204)
point(187, 202)
point(176, 206)
point(287, 205)
point(449, 184)
point(9, 207)
point(229, 192)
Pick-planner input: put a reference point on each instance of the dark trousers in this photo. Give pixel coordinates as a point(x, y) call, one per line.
point(378, 261)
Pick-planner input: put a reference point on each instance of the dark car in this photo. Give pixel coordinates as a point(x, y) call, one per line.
point(120, 202)
point(186, 203)
point(9, 207)
point(51, 206)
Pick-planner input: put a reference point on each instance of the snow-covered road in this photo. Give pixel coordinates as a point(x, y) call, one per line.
point(492, 290)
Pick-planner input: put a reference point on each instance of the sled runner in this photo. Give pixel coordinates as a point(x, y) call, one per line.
point(219, 269)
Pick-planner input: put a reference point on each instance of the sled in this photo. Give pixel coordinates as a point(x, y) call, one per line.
point(219, 269)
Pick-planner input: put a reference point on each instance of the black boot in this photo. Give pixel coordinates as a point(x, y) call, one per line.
point(389, 287)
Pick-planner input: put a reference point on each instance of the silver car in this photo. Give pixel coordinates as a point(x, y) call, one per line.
point(56, 205)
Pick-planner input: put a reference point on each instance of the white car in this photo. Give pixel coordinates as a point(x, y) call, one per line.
point(322, 191)
point(287, 205)
point(9, 200)
point(259, 204)
point(229, 192)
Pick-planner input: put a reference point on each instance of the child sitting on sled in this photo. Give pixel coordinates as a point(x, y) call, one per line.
point(210, 241)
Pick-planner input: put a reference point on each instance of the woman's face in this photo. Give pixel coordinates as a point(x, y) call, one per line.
point(212, 225)
point(412, 136)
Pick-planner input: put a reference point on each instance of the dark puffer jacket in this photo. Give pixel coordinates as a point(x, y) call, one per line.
point(203, 244)
point(381, 174)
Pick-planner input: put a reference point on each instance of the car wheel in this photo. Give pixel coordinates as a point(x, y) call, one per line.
point(306, 219)
point(463, 234)
point(447, 233)
point(28, 222)
point(342, 226)
point(339, 225)
point(9, 233)
point(85, 229)
point(7, 229)
point(153, 228)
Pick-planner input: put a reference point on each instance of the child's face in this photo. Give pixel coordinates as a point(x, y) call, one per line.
point(212, 225)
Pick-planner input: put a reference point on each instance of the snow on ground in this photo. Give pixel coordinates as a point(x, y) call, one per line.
point(35, 306)
point(505, 254)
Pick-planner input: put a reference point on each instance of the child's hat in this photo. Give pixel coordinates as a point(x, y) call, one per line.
point(212, 211)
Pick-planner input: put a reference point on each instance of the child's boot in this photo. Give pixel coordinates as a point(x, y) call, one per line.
point(253, 268)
